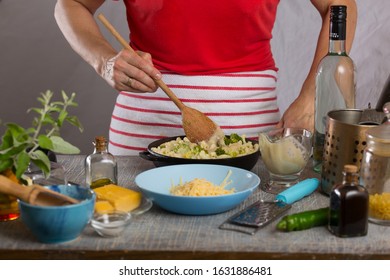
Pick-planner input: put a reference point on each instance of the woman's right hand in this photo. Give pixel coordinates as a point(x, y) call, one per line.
point(130, 71)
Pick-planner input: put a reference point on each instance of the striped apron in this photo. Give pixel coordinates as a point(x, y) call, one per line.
point(244, 103)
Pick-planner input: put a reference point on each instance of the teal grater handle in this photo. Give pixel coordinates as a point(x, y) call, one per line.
point(298, 191)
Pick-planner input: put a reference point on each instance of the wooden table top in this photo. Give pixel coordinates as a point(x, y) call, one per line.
point(158, 234)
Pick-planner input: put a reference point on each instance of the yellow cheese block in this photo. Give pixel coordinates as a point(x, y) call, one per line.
point(102, 206)
point(119, 197)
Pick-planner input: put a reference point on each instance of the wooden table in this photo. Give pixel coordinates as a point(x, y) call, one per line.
point(158, 234)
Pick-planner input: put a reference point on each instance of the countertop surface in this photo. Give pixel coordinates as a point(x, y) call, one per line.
point(158, 234)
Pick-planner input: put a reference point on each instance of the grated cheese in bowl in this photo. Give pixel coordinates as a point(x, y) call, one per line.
point(201, 187)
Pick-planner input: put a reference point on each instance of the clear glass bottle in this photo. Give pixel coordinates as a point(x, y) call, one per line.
point(375, 170)
point(348, 215)
point(101, 166)
point(335, 81)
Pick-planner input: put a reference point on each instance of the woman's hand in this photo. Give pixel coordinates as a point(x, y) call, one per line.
point(129, 71)
point(301, 112)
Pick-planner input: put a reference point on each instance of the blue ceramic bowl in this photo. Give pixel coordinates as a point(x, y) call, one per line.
point(156, 183)
point(54, 224)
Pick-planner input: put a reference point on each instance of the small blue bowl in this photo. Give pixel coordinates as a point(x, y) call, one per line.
point(55, 224)
point(156, 183)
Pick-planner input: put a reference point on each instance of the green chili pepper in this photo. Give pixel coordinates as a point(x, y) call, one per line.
point(304, 220)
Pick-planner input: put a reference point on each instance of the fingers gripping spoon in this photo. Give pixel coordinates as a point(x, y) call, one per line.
point(261, 213)
point(197, 126)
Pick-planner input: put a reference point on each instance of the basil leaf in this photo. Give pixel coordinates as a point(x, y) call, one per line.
point(73, 120)
point(41, 160)
point(63, 147)
point(7, 140)
point(61, 118)
point(22, 162)
point(45, 142)
point(11, 151)
point(5, 164)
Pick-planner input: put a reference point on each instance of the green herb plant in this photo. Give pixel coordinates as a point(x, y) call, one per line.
point(21, 146)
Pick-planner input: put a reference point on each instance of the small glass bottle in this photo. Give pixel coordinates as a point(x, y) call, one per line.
point(101, 166)
point(349, 206)
point(335, 81)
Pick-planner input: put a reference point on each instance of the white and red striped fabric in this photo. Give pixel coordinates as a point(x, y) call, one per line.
point(243, 103)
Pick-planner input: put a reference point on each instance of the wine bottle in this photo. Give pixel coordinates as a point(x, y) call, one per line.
point(335, 81)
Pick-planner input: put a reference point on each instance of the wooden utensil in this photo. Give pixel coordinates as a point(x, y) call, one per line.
point(197, 126)
point(34, 194)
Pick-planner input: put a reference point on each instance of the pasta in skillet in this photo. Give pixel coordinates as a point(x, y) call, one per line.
point(229, 147)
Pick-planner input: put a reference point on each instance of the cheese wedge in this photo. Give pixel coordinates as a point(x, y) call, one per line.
point(102, 206)
point(120, 198)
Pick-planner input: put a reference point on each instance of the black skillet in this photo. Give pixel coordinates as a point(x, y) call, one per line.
point(246, 161)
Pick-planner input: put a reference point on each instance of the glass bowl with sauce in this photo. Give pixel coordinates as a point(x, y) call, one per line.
point(285, 153)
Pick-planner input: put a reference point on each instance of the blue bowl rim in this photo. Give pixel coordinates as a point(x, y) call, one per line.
point(83, 202)
point(250, 189)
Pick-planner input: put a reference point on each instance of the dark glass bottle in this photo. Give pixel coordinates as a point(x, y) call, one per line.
point(349, 206)
point(101, 166)
point(335, 81)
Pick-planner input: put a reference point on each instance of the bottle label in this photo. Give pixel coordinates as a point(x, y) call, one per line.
point(337, 30)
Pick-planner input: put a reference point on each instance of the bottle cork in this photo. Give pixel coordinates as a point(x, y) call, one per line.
point(100, 143)
point(350, 168)
point(100, 139)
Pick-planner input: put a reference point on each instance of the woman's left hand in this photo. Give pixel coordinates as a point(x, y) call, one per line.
point(300, 113)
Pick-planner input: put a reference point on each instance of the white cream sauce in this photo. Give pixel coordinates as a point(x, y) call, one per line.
point(284, 156)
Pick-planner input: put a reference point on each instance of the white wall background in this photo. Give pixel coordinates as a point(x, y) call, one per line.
point(35, 57)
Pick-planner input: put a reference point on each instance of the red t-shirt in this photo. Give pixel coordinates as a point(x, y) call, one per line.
point(204, 36)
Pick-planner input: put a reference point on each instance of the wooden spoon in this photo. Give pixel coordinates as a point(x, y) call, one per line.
point(34, 194)
point(197, 126)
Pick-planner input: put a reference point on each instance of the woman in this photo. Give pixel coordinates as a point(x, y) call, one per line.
point(216, 57)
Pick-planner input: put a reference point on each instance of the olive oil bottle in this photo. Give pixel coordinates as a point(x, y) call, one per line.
point(100, 166)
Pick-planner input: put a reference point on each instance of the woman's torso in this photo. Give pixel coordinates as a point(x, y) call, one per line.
point(216, 57)
point(204, 37)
